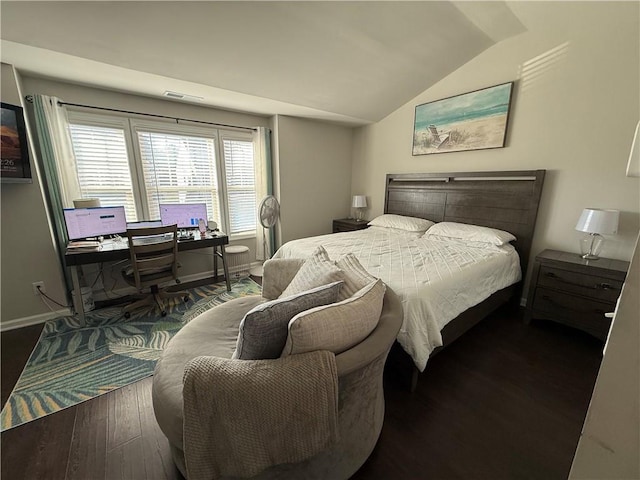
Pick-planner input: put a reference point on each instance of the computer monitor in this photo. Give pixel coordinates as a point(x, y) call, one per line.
point(186, 215)
point(94, 222)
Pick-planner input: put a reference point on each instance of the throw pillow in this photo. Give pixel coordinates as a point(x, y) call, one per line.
point(355, 276)
point(263, 330)
point(339, 326)
point(316, 270)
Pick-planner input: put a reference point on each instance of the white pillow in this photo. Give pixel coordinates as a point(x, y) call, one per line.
point(410, 224)
point(338, 326)
point(470, 233)
point(316, 271)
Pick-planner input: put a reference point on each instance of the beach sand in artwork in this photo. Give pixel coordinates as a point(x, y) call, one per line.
point(469, 135)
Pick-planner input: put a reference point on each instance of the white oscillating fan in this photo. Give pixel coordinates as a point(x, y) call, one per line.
point(268, 212)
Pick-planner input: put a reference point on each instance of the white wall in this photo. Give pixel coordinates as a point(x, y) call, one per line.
point(574, 112)
point(27, 252)
point(314, 170)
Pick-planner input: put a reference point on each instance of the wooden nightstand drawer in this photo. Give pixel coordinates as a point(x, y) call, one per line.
point(574, 311)
point(551, 301)
point(592, 286)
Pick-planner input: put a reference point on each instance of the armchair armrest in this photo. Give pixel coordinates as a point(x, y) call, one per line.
point(228, 434)
point(277, 275)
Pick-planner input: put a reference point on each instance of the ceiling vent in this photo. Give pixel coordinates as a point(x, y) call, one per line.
point(182, 96)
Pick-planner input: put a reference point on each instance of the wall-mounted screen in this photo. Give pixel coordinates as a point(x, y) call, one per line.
point(186, 215)
point(14, 164)
point(94, 222)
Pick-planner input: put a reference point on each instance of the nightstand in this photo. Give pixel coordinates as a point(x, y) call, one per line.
point(349, 225)
point(567, 289)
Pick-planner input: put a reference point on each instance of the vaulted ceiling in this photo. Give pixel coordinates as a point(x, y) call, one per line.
point(350, 62)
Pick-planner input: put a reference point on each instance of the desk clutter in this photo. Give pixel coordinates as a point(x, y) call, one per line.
point(84, 246)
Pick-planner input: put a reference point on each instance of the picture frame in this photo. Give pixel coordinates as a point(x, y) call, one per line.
point(14, 152)
point(476, 120)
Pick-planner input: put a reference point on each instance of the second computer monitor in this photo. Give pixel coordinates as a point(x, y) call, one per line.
point(186, 215)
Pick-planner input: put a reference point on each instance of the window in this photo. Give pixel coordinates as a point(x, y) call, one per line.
point(241, 184)
point(142, 164)
point(102, 164)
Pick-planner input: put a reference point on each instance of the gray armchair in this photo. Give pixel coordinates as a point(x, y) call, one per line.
point(359, 369)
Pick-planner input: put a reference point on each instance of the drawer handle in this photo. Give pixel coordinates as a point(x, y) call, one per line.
point(553, 302)
point(597, 286)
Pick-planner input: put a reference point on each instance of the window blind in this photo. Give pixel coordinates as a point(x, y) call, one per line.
point(179, 169)
point(102, 165)
point(241, 185)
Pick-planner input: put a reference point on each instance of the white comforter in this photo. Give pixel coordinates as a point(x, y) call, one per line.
point(436, 280)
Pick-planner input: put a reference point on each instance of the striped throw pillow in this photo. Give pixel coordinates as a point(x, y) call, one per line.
point(355, 276)
point(316, 271)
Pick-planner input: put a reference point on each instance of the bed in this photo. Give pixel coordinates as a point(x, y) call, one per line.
point(446, 286)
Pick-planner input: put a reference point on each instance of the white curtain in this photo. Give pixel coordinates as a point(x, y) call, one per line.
point(54, 132)
point(264, 187)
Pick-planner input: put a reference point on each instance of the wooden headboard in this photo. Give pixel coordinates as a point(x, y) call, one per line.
point(505, 200)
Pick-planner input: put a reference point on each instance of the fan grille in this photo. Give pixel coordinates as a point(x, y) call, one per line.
point(269, 211)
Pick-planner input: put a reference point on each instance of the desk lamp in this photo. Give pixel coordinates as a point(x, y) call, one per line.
point(596, 222)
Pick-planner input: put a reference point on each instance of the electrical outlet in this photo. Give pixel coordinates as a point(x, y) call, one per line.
point(35, 286)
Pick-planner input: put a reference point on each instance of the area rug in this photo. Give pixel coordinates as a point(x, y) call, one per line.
point(75, 361)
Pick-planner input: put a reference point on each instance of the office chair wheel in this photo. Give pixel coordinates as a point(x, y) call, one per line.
point(127, 314)
point(163, 313)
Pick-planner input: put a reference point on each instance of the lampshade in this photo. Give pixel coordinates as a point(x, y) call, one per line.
point(595, 220)
point(633, 166)
point(359, 201)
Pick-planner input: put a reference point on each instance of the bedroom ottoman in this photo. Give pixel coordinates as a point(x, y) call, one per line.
point(360, 370)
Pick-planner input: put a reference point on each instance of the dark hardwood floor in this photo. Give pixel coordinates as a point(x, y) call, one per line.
point(505, 401)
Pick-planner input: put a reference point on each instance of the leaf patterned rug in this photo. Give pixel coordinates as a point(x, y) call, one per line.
point(75, 361)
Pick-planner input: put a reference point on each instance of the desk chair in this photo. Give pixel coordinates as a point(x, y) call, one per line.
point(154, 260)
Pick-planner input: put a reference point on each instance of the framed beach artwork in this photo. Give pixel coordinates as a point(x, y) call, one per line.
point(472, 121)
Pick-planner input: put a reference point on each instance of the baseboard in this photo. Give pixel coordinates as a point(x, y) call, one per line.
point(33, 320)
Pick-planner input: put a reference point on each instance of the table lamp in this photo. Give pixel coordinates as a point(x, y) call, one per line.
point(359, 202)
point(596, 222)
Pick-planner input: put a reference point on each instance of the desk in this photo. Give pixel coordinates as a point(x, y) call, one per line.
point(112, 251)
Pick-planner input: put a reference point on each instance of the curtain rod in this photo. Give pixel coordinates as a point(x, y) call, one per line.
point(29, 98)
